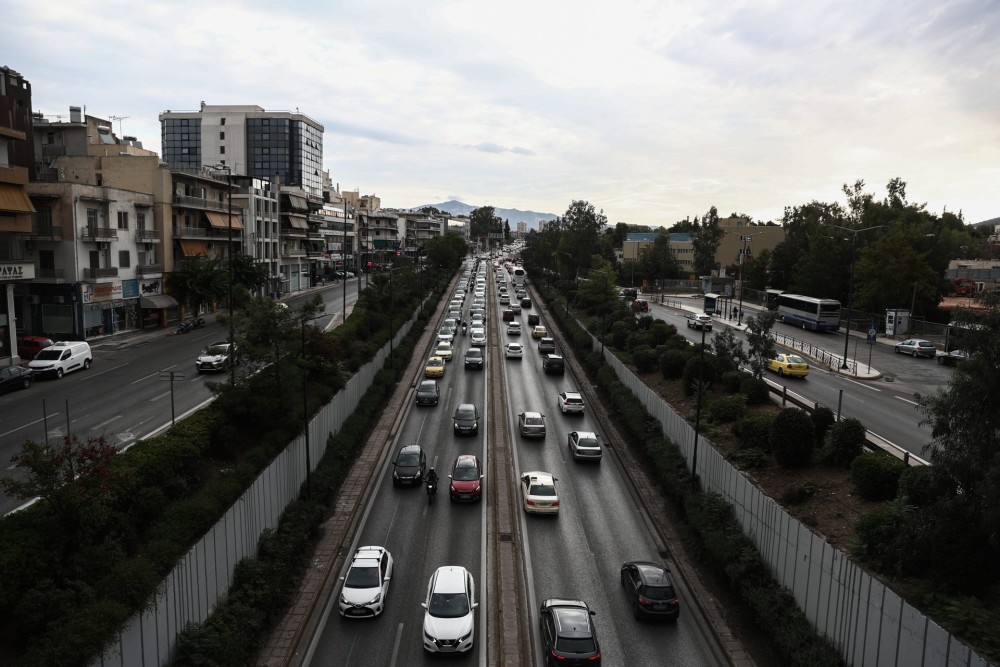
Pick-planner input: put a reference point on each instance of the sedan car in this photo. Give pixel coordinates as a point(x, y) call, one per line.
point(512, 351)
point(516, 307)
point(514, 329)
point(917, 347)
point(504, 299)
point(474, 359)
point(570, 401)
point(428, 392)
point(538, 493)
point(449, 621)
point(567, 632)
point(791, 365)
point(446, 335)
point(952, 358)
point(531, 424)
point(444, 350)
point(649, 589)
point(215, 358)
point(508, 315)
point(434, 368)
point(466, 479)
point(15, 377)
point(584, 446)
point(478, 337)
point(466, 420)
point(547, 345)
point(539, 332)
point(409, 465)
point(366, 584)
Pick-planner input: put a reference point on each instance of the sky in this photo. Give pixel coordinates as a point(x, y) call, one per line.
point(652, 111)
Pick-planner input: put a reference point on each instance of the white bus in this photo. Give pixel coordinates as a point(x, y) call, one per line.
point(517, 275)
point(809, 312)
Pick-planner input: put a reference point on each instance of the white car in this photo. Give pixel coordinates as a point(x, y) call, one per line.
point(443, 350)
point(584, 446)
point(513, 351)
point(504, 299)
point(571, 401)
point(699, 321)
point(538, 493)
point(215, 358)
point(514, 329)
point(446, 335)
point(449, 616)
point(478, 337)
point(367, 583)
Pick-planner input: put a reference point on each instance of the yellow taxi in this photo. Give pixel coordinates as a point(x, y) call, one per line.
point(434, 368)
point(539, 332)
point(791, 365)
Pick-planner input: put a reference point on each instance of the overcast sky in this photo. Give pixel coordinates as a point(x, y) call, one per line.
point(652, 111)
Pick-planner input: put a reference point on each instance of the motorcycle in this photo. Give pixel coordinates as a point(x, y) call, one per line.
point(432, 489)
point(190, 324)
point(464, 329)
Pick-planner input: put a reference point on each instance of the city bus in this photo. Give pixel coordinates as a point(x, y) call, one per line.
point(771, 298)
point(809, 312)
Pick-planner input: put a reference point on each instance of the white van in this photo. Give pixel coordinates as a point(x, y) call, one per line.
point(62, 358)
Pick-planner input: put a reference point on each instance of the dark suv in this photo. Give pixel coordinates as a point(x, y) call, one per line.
point(554, 364)
point(650, 590)
point(409, 466)
point(567, 631)
point(474, 358)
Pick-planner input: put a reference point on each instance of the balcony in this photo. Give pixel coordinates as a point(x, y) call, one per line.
point(50, 275)
point(147, 236)
point(199, 203)
point(98, 274)
point(207, 233)
point(148, 270)
point(92, 234)
point(44, 233)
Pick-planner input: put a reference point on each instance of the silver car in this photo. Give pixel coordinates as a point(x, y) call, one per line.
point(531, 424)
point(917, 348)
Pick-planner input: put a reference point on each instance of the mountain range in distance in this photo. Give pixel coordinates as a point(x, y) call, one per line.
point(511, 215)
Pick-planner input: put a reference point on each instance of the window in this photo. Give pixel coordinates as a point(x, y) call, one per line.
point(92, 217)
point(222, 150)
point(122, 219)
point(124, 259)
point(222, 135)
point(265, 136)
point(140, 220)
point(222, 121)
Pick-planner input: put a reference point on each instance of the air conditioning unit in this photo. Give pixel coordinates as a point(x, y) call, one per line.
point(103, 245)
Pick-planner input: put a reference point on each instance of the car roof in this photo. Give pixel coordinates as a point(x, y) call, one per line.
point(539, 475)
point(554, 356)
point(653, 574)
point(572, 394)
point(410, 449)
point(466, 461)
point(450, 579)
point(368, 553)
point(586, 434)
point(435, 358)
point(572, 620)
point(428, 383)
point(527, 414)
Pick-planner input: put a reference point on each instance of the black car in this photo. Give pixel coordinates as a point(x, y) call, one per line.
point(466, 419)
point(15, 377)
point(547, 345)
point(534, 319)
point(568, 635)
point(428, 393)
point(409, 466)
point(650, 590)
point(554, 364)
point(526, 303)
point(474, 358)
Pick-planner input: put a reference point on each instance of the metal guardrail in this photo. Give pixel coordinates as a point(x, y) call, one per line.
point(831, 360)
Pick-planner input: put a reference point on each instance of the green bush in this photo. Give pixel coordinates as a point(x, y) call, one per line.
point(695, 369)
point(731, 381)
point(875, 475)
point(922, 486)
point(728, 408)
point(877, 535)
point(798, 493)
point(754, 431)
point(792, 437)
point(847, 442)
point(755, 389)
point(644, 359)
point(823, 418)
point(672, 364)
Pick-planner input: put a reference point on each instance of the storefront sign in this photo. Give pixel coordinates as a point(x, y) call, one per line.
point(94, 292)
point(14, 271)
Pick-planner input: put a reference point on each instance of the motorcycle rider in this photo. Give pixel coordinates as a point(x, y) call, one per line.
point(464, 327)
point(432, 479)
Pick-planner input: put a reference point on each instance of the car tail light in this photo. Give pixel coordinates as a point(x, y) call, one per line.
point(529, 501)
point(555, 655)
point(595, 657)
point(555, 503)
point(644, 601)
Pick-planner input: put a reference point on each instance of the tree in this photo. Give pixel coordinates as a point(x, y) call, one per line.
point(249, 277)
point(760, 342)
point(657, 261)
point(706, 243)
point(484, 221)
point(728, 350)
point(199, 281)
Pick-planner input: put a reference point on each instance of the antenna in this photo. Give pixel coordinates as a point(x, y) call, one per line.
point(119, 119)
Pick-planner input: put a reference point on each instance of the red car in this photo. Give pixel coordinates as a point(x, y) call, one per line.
point(508, 315)
point(466, 479)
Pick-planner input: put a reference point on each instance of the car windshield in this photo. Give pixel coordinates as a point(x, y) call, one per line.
point(588, 442)
point(448, 605)
point(533, 421)
point(465, 413)
point(48, 355)
point(542, 489)
point(362, 577)
point(407, 460)
point(576, 645)
point(435, 362)
point(473, 353)
point(792, 359)
point(216, 349)
point(465, 474)
point(658, 592)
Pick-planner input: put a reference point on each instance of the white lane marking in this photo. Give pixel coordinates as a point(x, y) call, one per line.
point(862, 384)
point(105, 423)
point(159, 396)
point(906, 400)
point(395, 645)
point(21, 428)
point(157, 373)
point(107, 370)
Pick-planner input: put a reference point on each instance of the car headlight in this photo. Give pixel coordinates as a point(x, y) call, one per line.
point(395, 474)
point(475, 424)
point(457, 425)
point(465, 638)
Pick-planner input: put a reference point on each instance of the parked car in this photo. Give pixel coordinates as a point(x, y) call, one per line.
point(512, 351)
point(474, 359)
point(538, 493)
point(531, 424)
point(699, 321)
point(584, 446)
point(366, 583)
point(791, 365)
point(650, 590)
point(449, 621)
point(409, 465)
point(466, 479)
point(952, 358)
point(428, 392)
point(547, 345)
point(215, 358)
point(567, 632)
point(553, 364)
point(917, 347)
point(570, 401)
point(466, 420)
point(61, 358)
point(15, 377)
point(29, 346)
point(434, 368)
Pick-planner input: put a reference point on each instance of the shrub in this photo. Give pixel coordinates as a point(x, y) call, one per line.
point(922, 486)
point(661, 332)
point(644, 359)
point(798, 493)
point(731, 381)
point(754, 431)
point(755, 389)
point(728, 408)
point(695, 369)
point(823, 418)
point(792, 437)
point(878, 532)
point(847, 442)
point(875, 475)
point(672, 364)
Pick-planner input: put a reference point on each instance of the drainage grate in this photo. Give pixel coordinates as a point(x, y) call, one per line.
point(506, 537)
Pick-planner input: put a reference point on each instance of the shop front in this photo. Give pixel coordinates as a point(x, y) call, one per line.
point(158, 309)
point(109, 308)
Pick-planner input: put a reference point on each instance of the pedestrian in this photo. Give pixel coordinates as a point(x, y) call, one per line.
point(735, 310)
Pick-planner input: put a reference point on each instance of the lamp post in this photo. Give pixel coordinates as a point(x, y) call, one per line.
point(305, 401)
point(229, 251)
point(343, 260)
point(850, 286)
point(746, 238)
point(697, 412)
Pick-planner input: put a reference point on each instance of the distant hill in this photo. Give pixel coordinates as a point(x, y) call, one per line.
point(511, 215)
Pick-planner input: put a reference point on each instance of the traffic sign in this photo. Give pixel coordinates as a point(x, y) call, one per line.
point(872, 332)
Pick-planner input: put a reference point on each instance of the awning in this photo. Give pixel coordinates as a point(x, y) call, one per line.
point(157, 302)
point(221, 220)
point(297, 221)
point(13, 198)
point(193, 248)
point(298, 202)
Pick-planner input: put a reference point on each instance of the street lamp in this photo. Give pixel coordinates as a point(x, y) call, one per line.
point(746, 238)
point(697, 413)
point(229, 185)
point(305, 400)
point(850, 285)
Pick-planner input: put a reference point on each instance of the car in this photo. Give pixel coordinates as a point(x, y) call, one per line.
point(512, 351)
point(553, 364)
point(791, 365)
point(504, 300)
point(516, 307)
point(466, 479)
point(629, 293)
point(526, 303)
point(215, 358)
point(570, 401)
point(534, 319)
point(366, 583)
point(466, 419)
point(531, 424)
point(480, 293)
point(514, 329)
point(434, 368)
point(650, 590)
point(547, 345)
point(567, 633)
point(15, 377)
point(640, 306)
point(538, 493)
point(474, 359)
point(916, 347)
point(449, 620)
point(477, 320)
point(409, 466)
point(952, 358)
point(428, 392)
point(584, 446)
point(699, 321)
point(444, 350)
point(29, 346)
point(454, 314)
point(446, 335)
point(508, 315)
point(452, 322)
point(478, 337)
point(539, 332)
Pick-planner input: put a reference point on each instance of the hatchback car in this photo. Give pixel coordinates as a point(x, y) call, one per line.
point(466, 420)
point(531, 424)
point(514, 329)
point(15, 377)
point(504, 299)
point(584, 446)
point(699, 321)
point(570, 401)
point(29, 346)
point(449, 621)
point(791, 365)
point(444, 350)
point(478, 337)
point(516, 307)
point(917, 348)
point(466, 479)
point(567, 632)
point(366, 583)
point(434, 368)
point(526, 303)
point(474, 359)
point(428, 392)
point(547, 345)
point(409, 465)
point(553, 364)
point(649, 589)
point(513, 351)
point(538, 493)
point(539, 332)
